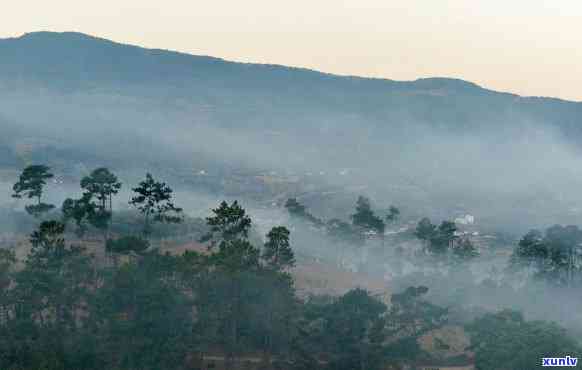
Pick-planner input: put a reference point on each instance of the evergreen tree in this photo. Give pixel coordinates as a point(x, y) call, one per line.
point(277, 251)
point(411, 316)
point(425, 231)
point(553, 256)
point(299, 211)
point(144, 316)
point(438, 241)
point(354, 325)
point(80, 211)
point(506, 341)
point(236, 263)
point(365, 217)
point(7, 260)
point(442, 241)
point(154, 200)
point(229, 222)
point(531, 252)
point(31, 184)
point(49, 295)
point(103, 185)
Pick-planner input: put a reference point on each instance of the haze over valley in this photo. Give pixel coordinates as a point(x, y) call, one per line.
point(401, 207)
point(440, 143)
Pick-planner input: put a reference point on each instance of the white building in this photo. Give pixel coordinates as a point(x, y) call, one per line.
point(465, 220)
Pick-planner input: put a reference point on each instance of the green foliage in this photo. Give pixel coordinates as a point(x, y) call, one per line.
point(7, 260)
point(229, 222)
point(31, 185)
point(127, 244)
point(425, 230)
point(506, 341)
point(151, 312)
point(530, 250)
point(438, 241)
point(553, 256)
point(39, 209)
point(63, 310)
point(48, 237)
point(74, 209)
point(236, 255)
point(442, 238)
point(130, 222)
point(365, 217)
point(405, 349)
point(144, 315)
point(84, 211)
point(154, 200)
point(101, 184)
point(49, 292)
point(412, 316)
point(245, 304)
point(351, 328)
point(299, 211)
point(32, 181)
point(277, 252)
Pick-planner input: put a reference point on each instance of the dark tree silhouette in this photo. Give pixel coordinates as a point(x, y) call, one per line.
point(31, 184)
point(154, 200)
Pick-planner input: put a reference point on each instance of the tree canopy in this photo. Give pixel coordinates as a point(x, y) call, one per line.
point(31, 183)
point(365, 217)
point(154, 200)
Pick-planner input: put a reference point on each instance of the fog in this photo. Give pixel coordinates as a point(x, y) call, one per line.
point(512, 177)
point(517, 174)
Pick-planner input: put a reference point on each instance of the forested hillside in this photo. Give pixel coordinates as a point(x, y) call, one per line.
point(103, 289)
point(252, 95)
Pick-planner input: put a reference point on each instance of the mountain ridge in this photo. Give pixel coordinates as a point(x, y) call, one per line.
point(86, 39)
point(434, 141)
point(265, 96)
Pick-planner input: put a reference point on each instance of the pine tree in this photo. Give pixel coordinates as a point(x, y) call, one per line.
point(277, 251)
point(154, 201)
point(103, 185)
point(229, 222)
point(365, 218)
point(31, 184)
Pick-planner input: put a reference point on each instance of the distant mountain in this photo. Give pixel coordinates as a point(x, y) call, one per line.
point(272, 97)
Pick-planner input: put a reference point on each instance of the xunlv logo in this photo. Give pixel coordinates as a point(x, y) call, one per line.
point(560, 361)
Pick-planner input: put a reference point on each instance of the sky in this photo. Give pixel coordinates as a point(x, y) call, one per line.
point(529, 47)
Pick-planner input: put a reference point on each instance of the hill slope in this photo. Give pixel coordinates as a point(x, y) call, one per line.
point(425, 143)
point(236, 94)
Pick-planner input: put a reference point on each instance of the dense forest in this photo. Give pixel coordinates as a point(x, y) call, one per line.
point(123, 303)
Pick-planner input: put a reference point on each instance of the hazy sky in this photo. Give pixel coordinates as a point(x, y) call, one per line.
point(531, 47)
